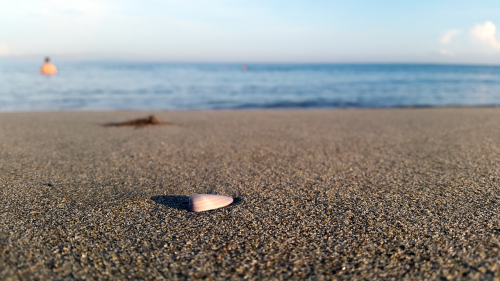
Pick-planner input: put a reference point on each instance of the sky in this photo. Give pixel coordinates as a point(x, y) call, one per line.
point(315, 31)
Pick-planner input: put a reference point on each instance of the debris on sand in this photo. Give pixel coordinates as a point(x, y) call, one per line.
point(141, 122)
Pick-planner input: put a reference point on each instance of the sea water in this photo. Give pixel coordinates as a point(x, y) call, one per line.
point(190, 86)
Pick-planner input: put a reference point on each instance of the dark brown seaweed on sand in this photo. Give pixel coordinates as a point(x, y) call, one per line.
point(141, 122)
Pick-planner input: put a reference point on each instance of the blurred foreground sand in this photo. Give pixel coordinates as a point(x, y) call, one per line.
point(322, 194)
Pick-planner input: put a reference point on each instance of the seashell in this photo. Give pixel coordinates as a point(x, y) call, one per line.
point(205, 202)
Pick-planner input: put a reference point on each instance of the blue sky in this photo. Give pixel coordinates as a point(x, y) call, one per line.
point(253, 31)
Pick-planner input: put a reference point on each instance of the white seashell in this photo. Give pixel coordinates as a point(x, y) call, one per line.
point(205, 202)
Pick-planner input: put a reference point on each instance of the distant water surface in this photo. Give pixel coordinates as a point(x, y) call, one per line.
point(168, 86)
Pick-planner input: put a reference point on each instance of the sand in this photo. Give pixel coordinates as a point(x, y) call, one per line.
point(320, 195)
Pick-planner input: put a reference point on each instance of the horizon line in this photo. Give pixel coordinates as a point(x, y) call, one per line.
point(41, 58)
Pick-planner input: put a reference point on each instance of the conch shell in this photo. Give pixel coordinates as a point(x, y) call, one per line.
point(205, 202)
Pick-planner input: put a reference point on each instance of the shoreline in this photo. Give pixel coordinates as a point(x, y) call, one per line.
point(344, 194)
point(261, 109)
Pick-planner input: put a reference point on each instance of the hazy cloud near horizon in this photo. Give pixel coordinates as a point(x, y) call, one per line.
point(448, 35)
point(252, 31)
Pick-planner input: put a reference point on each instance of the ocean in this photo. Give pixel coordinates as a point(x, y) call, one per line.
point(213, 86)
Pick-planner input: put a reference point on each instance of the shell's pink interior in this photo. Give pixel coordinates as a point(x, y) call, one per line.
point(199, 202)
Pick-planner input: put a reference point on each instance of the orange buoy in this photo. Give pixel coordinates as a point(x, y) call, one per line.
point(48, 68)
point(244, 68)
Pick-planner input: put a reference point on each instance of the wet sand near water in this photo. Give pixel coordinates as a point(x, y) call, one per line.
point(320, 195)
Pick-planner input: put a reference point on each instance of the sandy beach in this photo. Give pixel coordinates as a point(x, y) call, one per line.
point(320, 195)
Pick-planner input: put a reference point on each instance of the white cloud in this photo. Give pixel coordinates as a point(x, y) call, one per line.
point(448, 35)
point(5, 50)
point(486, 33)
point(446, 52)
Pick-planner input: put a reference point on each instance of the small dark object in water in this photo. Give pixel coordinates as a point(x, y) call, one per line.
point(141, 122)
